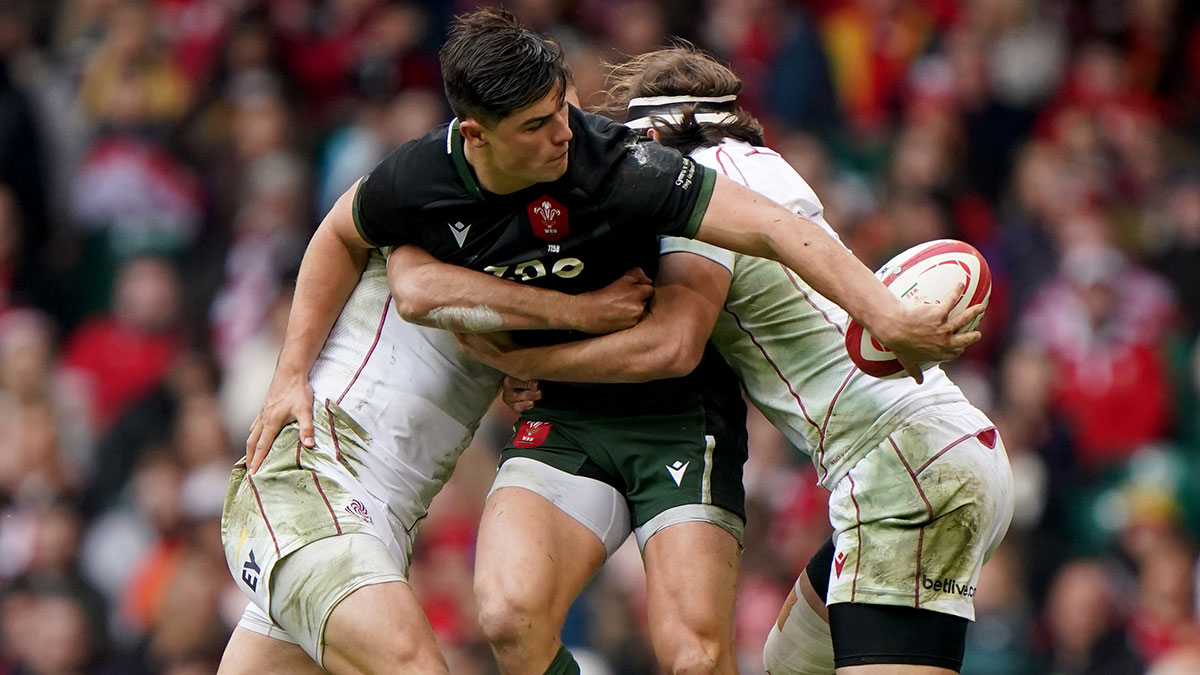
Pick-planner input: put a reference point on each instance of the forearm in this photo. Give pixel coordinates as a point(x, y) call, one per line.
point(462, 300)
point(633, 355)
point(822, 261)
point(669, 341)
point(432, 293)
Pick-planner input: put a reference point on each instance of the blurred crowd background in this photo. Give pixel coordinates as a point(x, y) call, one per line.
point(163, 163)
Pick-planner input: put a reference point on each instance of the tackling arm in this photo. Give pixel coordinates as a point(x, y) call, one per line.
point(669, 342)
point(433, 293)
point(742, 220)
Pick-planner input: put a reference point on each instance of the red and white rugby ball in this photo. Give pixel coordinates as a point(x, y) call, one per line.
point(924, 274)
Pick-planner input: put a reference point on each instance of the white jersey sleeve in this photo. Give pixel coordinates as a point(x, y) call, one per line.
point(787, 342)
point(721, 256)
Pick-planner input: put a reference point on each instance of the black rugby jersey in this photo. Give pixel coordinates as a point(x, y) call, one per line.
point(576, 234)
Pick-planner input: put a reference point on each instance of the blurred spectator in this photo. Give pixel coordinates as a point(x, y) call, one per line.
point(320, 45)
point(1165, 617)
point(1085, 623)
point(130, 80)
point(195, 30)
point(801, 90)
point(124, 354)
point(391, 53)
point(31, 375)
point(871, 45)
point(353, 150)
point(48, 630)
point(22, 173)
point(251, 366)
point(32, 466)
point(1178, 258)
point(147, 426)
point(270, 233)
point(998, 640)
point(1102, 322)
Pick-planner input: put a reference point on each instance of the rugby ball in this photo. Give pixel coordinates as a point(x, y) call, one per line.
point(924, 274)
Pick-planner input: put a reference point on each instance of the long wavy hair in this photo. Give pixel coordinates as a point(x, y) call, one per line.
point(681, 70)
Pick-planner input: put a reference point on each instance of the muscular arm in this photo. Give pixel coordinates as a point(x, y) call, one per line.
point(437, 294)
point(329, 271)
point(742, 220)
point(688, 294)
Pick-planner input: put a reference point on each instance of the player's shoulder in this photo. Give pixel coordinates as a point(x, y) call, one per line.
point(420, 168)
point(605, 153)
point(764, 170)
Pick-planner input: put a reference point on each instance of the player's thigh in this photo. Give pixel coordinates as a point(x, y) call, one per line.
point(691, 586)
point(251, 653)
point(308, 585)
point(379, 628)
point(532, 558)
point(692, 573)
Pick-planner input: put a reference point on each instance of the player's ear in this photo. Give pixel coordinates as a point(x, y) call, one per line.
point(473, 132)
point(654, 135)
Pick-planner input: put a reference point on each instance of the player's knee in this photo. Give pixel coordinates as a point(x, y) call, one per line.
point(692, 653)
point(695, 660)
point(390, 656)
point(506, 619)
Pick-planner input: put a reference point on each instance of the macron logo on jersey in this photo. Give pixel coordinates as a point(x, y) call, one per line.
point(460, 232)
point(676, 470)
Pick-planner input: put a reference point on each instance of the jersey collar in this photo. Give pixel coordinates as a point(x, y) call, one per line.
point(454, 147)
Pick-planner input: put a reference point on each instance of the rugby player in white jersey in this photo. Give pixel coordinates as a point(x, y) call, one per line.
point(921, 487)
point(396, 403)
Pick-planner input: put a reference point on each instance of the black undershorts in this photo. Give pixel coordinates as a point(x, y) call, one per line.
point(864, 634)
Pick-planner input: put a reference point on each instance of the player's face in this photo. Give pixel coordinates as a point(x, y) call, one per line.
point(530, 145)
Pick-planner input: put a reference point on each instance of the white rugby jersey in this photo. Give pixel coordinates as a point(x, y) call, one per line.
point(410, 387)
point(786, 341)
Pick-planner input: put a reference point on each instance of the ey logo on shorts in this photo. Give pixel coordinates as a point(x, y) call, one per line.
point(531, 434)
point(251, 572)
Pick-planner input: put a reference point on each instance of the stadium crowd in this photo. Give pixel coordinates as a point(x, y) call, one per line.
point(163, 163)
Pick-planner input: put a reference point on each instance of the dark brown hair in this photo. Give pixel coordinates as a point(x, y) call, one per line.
point(493, 66)
point(681, 70)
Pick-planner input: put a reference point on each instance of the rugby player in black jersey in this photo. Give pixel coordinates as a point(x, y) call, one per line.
point(528, 189)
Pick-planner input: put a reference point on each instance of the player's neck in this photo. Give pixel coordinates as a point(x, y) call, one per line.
point(491, 177)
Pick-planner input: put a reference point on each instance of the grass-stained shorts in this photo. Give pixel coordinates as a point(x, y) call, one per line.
point(300, 497)
point(657, 462)
point(916, 518)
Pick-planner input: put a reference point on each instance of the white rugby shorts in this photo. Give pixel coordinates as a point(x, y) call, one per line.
point(296, 516)
point(916, 518)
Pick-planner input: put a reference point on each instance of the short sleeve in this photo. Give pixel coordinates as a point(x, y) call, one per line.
point(721, 256)
point(377, 208)
point(658, 189)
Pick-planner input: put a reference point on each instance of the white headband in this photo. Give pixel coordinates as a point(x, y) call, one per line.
point(677, 118)
point(678, 100)
point(644, 110)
